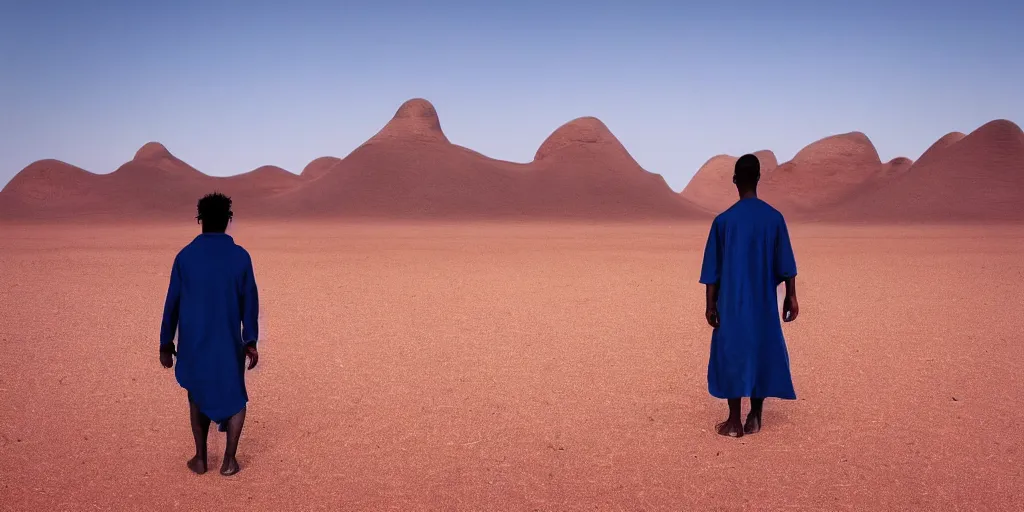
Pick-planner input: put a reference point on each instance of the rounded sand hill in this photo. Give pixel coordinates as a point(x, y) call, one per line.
point(257, 183)
point(935, 150)
point(319, 167)
point(415, 120)
point(153, 151)
point(976, 179)
point(408, 169)
point(895, 167)
point(50, 180)
point(585, 134)
point(712, 189)
point(51, 189)
point(154, 157)
point(822, 174)
point(582, 170)
point(155, 184)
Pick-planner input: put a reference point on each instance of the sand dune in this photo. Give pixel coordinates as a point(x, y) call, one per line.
point(712, 188)
point(823, 173)
point(50, 180)
point(51, 189)
point(154, 184)
point(263, 178)
point(583, 170)
point(976, 178)
point(895, 167)
point(319, 167)
point(409, 169)
point(936, 150)
point(250, 191)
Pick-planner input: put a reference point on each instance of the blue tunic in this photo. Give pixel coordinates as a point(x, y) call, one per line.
point(748, 254)
point(213, 304)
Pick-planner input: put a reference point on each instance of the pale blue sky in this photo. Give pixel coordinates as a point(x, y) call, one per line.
point(229, 86)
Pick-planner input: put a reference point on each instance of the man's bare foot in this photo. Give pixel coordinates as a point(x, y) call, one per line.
point(229, 467)
point(730, 428)
point(753, 424)
point(197, 464)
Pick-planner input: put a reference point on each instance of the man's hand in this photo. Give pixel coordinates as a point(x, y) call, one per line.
point(252, 354)
point(167, 353)
point(711, 314)
point(790, 308)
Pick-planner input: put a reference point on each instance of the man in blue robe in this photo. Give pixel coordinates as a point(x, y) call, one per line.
point(213, 305)
point(747, 256)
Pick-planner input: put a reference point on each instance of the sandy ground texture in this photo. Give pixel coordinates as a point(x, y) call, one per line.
point(528, 367)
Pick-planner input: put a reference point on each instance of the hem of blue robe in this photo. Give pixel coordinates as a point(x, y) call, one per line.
point(780, 396)
point(221, 422)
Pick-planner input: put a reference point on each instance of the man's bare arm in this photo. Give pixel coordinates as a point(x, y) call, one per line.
point(712, 296)
point(790, 306)
point(711, 310)
point(791, 287)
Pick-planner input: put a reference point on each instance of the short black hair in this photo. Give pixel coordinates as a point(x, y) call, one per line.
point(747, 172)
point(214, 211)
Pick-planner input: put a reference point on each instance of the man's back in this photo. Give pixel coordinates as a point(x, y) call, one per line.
point(213, 303)
point(754, 250)
point(213, 272)
point(748, 254)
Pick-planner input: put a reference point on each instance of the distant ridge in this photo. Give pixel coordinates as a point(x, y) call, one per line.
point(975, 178)
point(409, 169)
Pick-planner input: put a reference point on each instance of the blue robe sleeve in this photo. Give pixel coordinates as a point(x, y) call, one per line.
point(172, 306)
point(250, 306)
point(785, 262)
point(710, 271)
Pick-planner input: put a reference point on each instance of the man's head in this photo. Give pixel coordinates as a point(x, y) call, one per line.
point(747, 172)
point(214, 212)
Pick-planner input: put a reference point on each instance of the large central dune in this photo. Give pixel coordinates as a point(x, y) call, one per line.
point(582, 168)
point(408, 169)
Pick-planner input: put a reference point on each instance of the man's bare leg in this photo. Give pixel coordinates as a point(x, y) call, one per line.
point(753, 424)
point(732, 427)
point(200, 430)
point(230, 465)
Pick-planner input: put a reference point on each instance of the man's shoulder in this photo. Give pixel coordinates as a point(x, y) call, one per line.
point(769, 210)
point(185, 251)
point(241, 253)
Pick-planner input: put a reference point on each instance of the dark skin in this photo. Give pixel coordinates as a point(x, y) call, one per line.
point(200, 422)
point(732, 426)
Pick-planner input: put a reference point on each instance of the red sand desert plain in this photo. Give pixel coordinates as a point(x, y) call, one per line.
point(514, 366)
point(442, 332)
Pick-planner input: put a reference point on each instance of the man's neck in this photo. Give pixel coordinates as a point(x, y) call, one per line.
point(748, 194)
